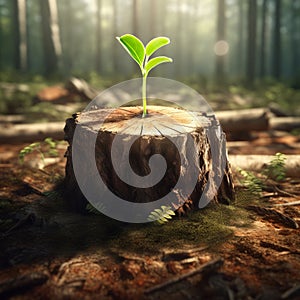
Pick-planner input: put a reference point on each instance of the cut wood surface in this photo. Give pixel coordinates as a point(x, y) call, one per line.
point(151, 134)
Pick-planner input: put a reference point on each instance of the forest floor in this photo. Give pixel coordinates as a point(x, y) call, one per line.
point(240, 251)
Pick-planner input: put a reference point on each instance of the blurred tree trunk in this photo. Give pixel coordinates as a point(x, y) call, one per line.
point(135, 18)
point(295, 38)
point(1, 37)
point(178, 53)
point(19, 34)
point(98, 36)
point(277, 41)
point(221, 32)
point(191, 62)
point(115, 33)
point(51, 35)
point(69, 35)
point(241, 32)
point(16, 34)
point(162, 21)
point(153, 20)
point(251, 45)
point(262, 70)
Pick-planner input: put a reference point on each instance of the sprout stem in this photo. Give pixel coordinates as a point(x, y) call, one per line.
point(144, 91)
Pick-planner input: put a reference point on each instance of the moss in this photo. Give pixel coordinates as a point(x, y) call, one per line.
point(211, 226)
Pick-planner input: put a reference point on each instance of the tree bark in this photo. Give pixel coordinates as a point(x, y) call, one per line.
point(16, 34)
point(20, 34)
point(150, 136)
point(277, 41)
point(1, 37)
point(295, 38)
point(51, 35)
point(251, 45)
point(263, 40)
point(241, 43)
point(68, 36)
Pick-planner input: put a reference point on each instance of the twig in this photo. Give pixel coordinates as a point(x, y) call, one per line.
point(29, 219)
point(205, 268)
point(275, 215)
point(288, 203)
point(277, 247)
point(181, 255)
point(284, 193)
point(294, 291)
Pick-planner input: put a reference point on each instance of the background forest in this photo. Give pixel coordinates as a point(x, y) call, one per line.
point(216, 44)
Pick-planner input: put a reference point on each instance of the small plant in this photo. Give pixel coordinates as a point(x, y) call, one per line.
point(276, 168)
point(90, 209)
point(141, 55)
point(162, 215)
point(251, 182)
point(48, 143)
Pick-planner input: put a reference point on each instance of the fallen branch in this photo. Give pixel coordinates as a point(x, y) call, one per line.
point(284, 193)
point(11, 119)
point(285, 124)
point(21, 133)
point(256, 163)
point(274, 215)
point(288, 203)
point(256, 119)
point(208, 267)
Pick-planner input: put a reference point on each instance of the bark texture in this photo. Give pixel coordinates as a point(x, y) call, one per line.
point(152, 136)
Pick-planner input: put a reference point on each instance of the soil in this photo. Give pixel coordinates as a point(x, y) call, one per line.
point(240, 251)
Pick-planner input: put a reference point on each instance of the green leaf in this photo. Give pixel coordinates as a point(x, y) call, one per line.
point(166, 216)
point(170, 212)
point(155, 44)
point(152, 63)
point(134, 47)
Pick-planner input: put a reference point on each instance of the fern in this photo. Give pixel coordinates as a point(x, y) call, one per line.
point(92, 210)
point(50, 149)
point(54, 194)
point(276, 168)
point(251, 182)
point(29, 149)
point(161, 215)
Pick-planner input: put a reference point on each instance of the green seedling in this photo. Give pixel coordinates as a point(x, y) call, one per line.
point(142, 54)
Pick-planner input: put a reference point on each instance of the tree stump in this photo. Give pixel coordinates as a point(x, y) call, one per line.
point(164, 131)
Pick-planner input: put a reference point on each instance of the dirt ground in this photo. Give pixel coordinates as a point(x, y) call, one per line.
point(241, 251)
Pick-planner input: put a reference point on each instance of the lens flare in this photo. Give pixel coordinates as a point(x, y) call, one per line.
point(221, 48)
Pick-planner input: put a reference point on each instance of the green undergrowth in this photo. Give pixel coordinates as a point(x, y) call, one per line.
point(209, 226)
